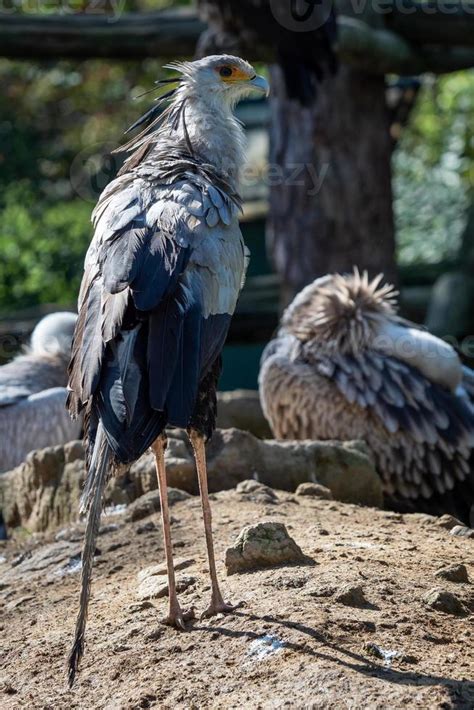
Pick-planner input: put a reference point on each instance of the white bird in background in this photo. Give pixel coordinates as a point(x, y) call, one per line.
point(33, 393)
point(344, 366)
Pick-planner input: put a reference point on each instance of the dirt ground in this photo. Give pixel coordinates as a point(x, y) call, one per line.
point(292, 644)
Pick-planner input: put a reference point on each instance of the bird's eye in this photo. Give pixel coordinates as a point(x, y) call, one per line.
point(225, 71)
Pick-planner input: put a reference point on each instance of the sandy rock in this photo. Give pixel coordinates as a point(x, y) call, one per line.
point(314, 490)
point(179, 563)
point(351, 595)
point(146, 528)
point(54, 560)
point(74, 533)
point(234, 456)
point(156, 587)
point(241, 409)
point(150, 503)
point(321, 591)
point(256, 492)
point(462, 531)
point(453, 573)
point(44, 492)
point(423, 518)
point(262, 545)
point(448, 522)
point(441, 600)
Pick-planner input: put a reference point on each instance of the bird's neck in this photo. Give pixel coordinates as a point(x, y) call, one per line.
point(215, 135)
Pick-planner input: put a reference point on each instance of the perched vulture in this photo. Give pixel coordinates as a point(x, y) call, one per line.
point(162, 277)
point(344, 366)
point(33, 393)
point(300, 34)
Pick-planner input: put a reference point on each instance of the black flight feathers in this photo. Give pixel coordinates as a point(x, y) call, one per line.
point(152, 372)
point(152, 367)
point(155, 111)
point(146, 260)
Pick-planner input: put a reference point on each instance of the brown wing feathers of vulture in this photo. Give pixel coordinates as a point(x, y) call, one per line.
point(161, 281)
point(345, 366)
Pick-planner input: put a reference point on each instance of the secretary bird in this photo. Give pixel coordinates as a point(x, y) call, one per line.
point(162, 277)
point(33, 393)
point(306, 57)
point(344, 365)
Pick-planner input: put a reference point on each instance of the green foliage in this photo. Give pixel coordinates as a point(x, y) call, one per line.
point(434, 171)
point(42, 249)
point(58, 120)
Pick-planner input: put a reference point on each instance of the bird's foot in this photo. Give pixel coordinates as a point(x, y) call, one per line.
point(219, 606)
point(177, 617)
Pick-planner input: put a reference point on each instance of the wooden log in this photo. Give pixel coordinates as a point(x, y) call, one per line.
point(82, 36)
point(433, 22)
point(172, 34)
point(380, 51)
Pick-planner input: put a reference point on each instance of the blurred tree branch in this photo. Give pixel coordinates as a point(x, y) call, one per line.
point(409, 43)
point(438, 22)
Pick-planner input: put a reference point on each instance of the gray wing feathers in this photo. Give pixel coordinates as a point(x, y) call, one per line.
point(189, 224)
point(36, 422)
point(28, 374)
point(402, 398)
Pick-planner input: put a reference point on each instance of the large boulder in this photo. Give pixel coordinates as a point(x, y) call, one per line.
point(44, 492)
point(233, 456)
point(241, 409)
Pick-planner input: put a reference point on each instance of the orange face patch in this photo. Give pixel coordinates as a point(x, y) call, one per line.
point(229, 73)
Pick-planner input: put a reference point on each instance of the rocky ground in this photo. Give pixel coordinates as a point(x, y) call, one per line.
point(365, 620)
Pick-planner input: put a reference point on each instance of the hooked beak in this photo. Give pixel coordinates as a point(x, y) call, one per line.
point(260, 84)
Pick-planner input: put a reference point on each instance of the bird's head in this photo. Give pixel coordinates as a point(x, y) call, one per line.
point(53, 335)
point(198, 120)
point(341, 312)
point(220, 77)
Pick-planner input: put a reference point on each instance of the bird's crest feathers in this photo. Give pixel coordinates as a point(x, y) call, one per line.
point(343, 309)
point(159, 118)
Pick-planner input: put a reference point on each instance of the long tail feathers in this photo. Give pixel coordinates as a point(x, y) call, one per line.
point(92, 503)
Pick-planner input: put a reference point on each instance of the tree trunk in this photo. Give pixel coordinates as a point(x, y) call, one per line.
point(330, 177)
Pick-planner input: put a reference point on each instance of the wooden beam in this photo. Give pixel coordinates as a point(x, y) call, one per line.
point(433, 22)
point(173, 34)
point(381, 51)
point(128, 36)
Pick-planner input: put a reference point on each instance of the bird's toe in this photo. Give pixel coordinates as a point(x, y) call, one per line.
point(219, 607)
point(178, 618)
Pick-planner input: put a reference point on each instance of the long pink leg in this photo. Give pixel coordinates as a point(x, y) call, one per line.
point(217, 605)
point(176, 616)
